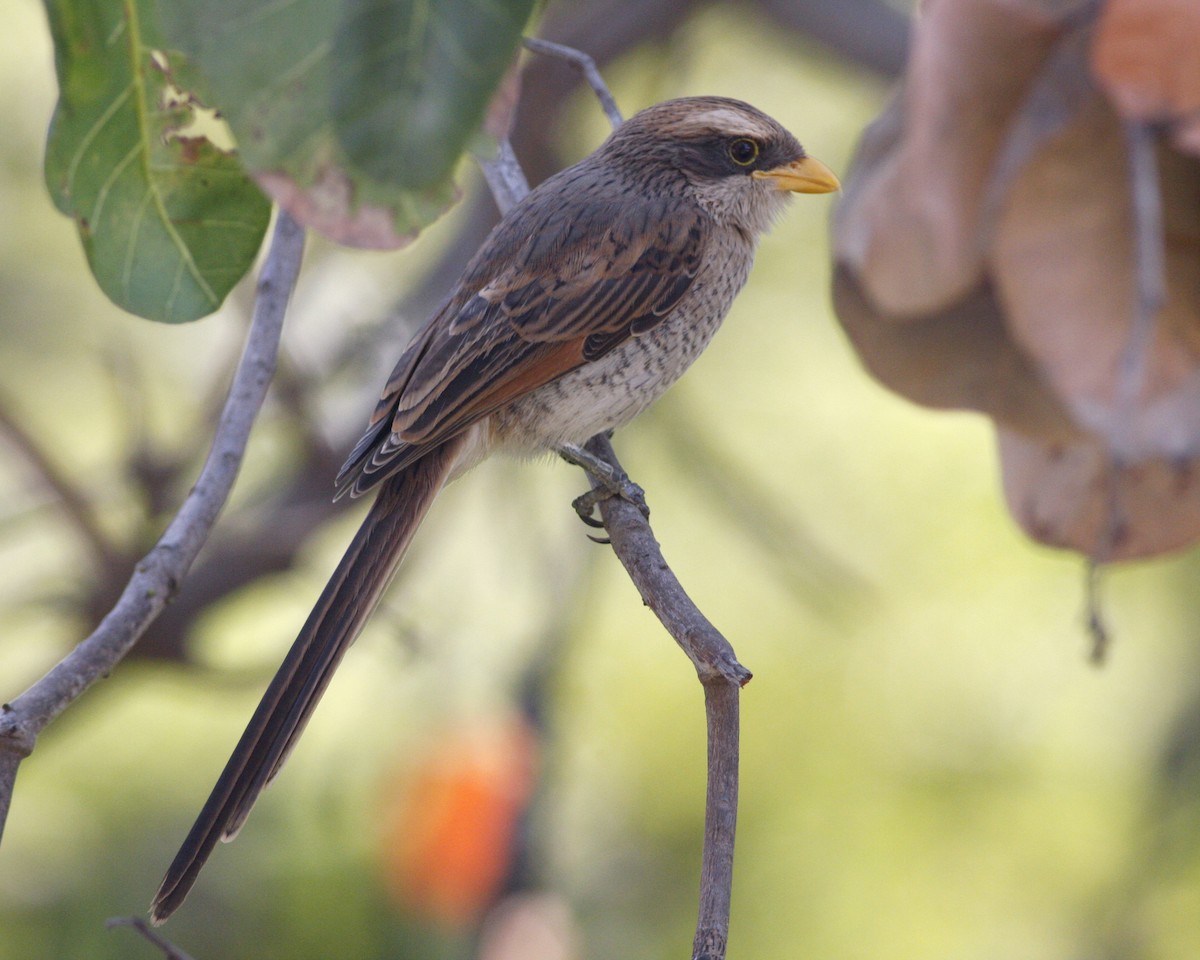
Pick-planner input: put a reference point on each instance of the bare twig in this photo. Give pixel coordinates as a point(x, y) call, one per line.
point(587, 66)
point(170, 951)
point(1094, 620)
point(504, 176)
point(158, 576)
point(1150, 273)
point(503, 173)
point(634, 543)
point(722, 676)
point(720, 814)
point(1150, 278)
point(635, 546)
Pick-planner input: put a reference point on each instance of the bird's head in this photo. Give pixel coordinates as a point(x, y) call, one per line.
point(739, 163)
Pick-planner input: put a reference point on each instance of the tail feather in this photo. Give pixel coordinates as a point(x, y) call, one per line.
point(339, 615)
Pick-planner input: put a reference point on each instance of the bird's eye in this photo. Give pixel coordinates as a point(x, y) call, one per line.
point(743, 151)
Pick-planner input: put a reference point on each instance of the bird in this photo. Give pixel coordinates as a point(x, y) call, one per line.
point(590, 297)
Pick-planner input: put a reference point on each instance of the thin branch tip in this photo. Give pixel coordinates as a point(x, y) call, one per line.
point(147, 931)
point(586, 65)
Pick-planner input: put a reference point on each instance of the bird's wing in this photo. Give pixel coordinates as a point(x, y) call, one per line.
point(583, 280)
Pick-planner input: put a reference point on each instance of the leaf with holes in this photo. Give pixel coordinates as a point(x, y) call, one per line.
point(1008, 243)
point(352, 115)
point(168, 221)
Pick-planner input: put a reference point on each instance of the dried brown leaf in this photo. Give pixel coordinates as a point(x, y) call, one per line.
point(1073, 495)
point(960, 358)
point(1064, 267)
point(910, 223)
point(1049, 278)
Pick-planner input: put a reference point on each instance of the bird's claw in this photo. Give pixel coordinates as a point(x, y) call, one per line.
point(610, 482)
point(610, 486)
point(585, 506)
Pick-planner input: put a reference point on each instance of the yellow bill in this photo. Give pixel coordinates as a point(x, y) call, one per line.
point(806, 175)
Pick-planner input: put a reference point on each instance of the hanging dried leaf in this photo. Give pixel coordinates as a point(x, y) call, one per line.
point(1049, 278)
point(961, 358)
point(911, 225)
point(1064, 263)
point(1074, 495)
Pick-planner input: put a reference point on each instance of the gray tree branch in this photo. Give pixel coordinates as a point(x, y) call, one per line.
point(157, 577)
point(633, 541)
point(722, 677)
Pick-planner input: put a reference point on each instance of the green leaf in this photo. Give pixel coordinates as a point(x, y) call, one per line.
point(168, 221)
point(429, 69)
point(352, 114)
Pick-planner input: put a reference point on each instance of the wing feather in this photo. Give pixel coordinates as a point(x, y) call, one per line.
point(601, 267)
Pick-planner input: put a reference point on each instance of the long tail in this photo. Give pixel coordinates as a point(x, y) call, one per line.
point(348, 599)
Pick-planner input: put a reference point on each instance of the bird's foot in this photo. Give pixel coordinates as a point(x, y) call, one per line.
point(611, 481)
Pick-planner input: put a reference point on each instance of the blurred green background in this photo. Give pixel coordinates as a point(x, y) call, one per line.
point(931, 768)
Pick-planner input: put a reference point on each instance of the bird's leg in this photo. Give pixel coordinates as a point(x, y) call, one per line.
point(612, 482)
